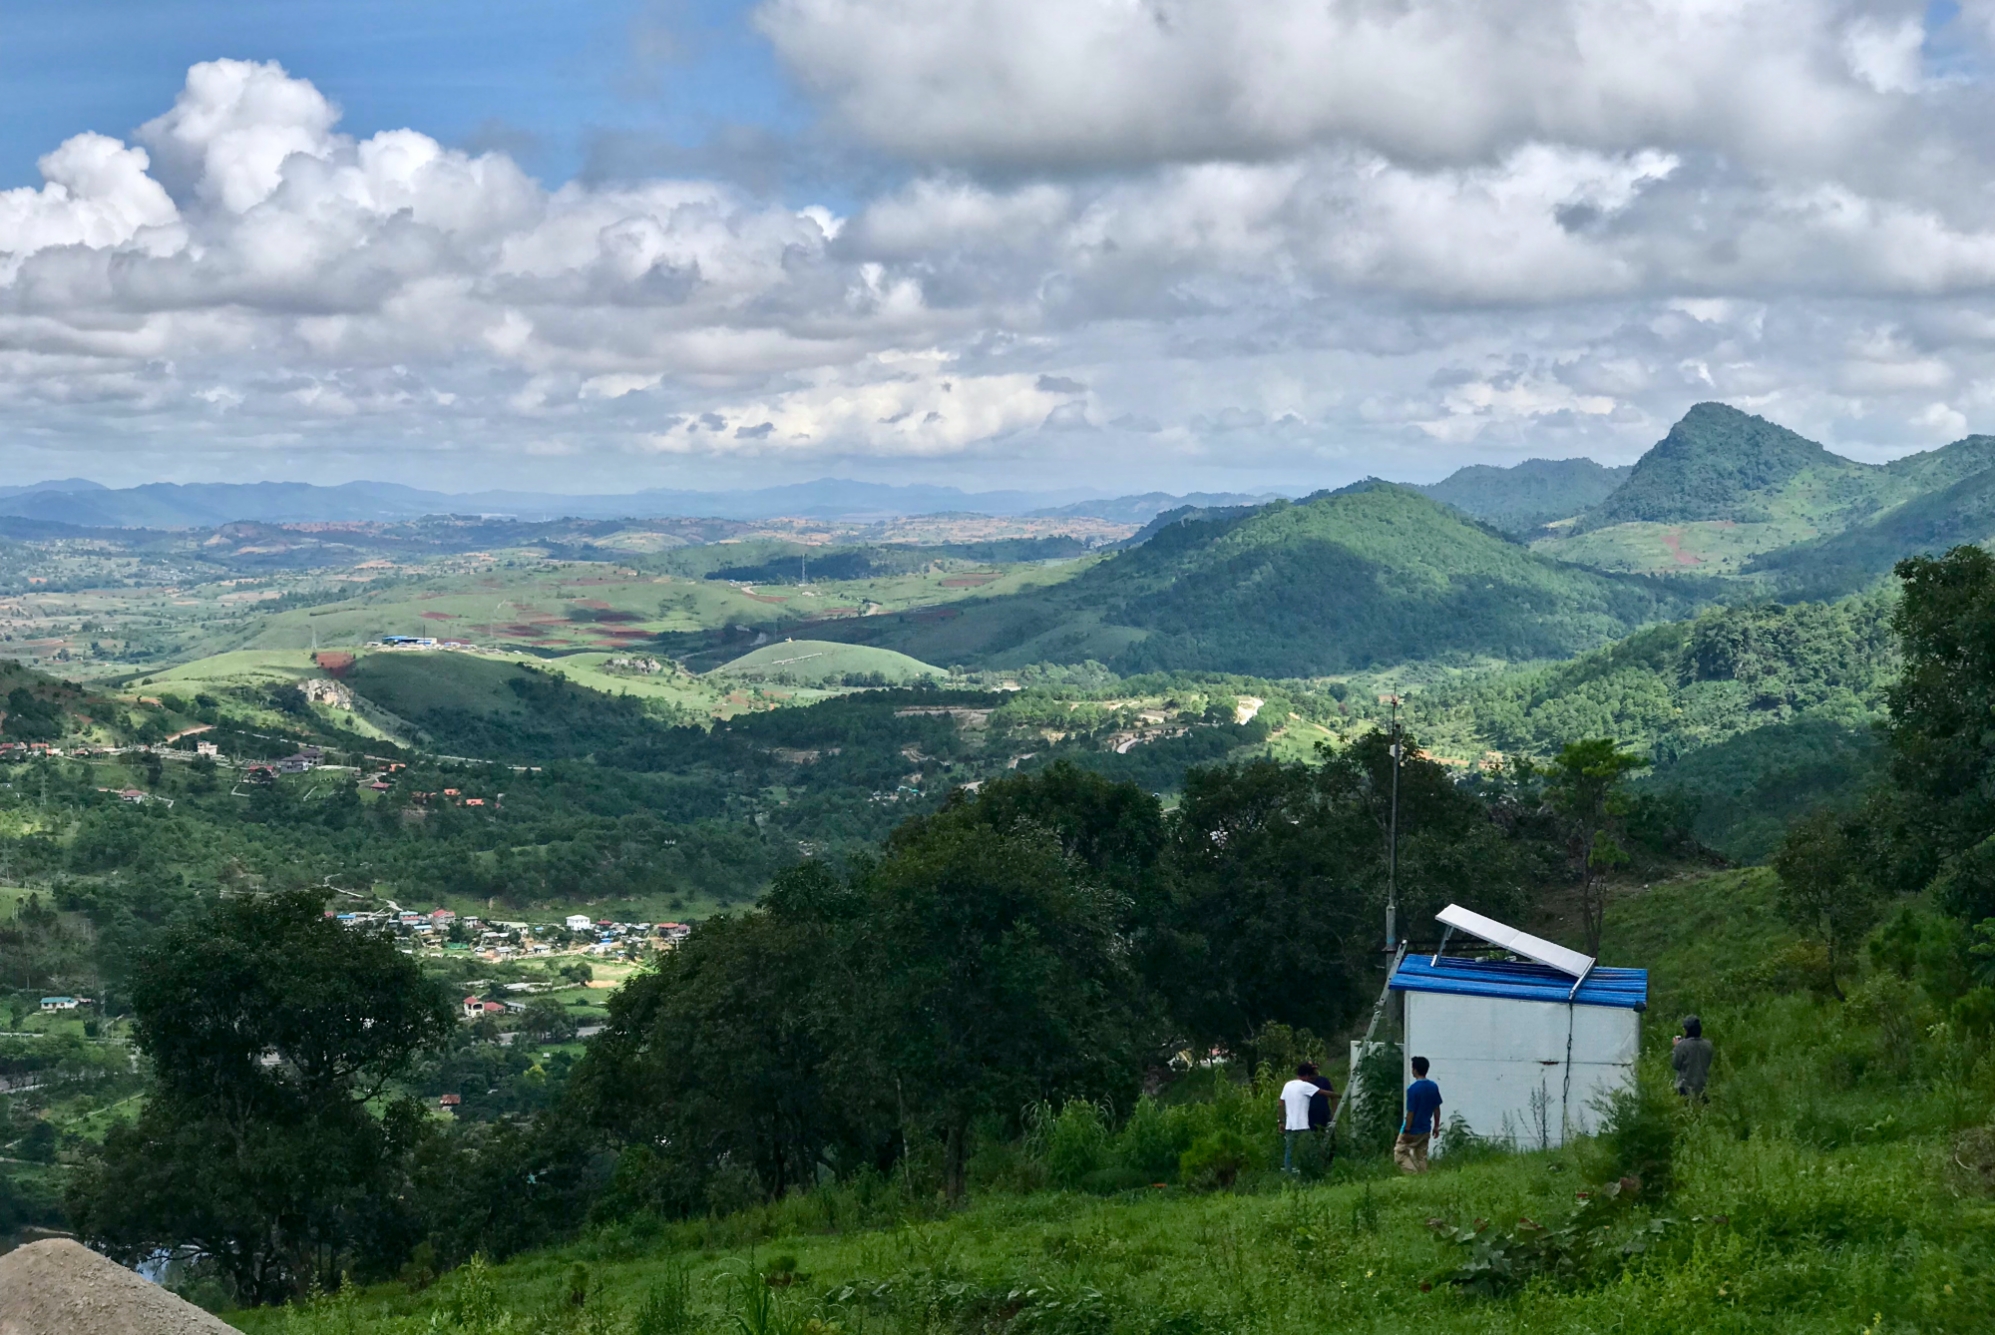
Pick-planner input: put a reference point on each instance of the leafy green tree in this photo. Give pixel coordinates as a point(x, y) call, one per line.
point(1271, 880)
point(1277, 883)
point(989, 974)
point(1942, 749)
point(1825, 889)
point(730, 1051)
point(1587, 785)
point(268, 1143)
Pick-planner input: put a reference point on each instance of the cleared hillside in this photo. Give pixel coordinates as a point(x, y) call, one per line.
point(826, 662)
point(1928, 524)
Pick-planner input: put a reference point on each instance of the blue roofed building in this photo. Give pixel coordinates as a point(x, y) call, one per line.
point(1526, 1038)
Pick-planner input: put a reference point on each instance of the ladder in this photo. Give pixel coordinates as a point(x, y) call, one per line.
point(1364, 1046)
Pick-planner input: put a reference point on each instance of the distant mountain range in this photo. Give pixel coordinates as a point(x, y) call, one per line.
point(173, 505)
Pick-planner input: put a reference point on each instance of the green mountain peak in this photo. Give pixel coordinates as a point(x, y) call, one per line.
point(1715, 463)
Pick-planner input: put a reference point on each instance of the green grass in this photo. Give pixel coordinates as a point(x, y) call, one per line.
point(827, 662)
point(1705, 547)
point(1809, 1201)
point(237, 667)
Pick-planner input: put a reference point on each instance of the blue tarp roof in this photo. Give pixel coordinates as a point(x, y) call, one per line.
point(1518, 981)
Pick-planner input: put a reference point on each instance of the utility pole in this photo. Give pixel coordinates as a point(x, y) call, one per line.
point(1392, 838)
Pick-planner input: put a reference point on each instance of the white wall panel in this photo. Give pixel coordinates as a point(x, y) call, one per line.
point(1502, 1065)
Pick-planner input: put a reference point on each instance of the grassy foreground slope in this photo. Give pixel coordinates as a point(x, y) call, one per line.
point(1370, 575)
point(1816, 1192)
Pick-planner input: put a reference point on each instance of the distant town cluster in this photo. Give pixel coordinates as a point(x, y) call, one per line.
point(577, 934)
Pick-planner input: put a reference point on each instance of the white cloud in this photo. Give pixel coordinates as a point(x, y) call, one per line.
point(1324, 239)
point(234, 126)
point(1116, 82)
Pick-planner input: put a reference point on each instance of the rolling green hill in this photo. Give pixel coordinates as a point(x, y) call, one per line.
point(822, 662)
point(1932, 523)
point(1529, 495)
point(1760, 712)
point(1374, 574)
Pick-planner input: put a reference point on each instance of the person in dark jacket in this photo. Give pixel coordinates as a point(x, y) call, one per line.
point(1691, 1056)
point(1323, 1102)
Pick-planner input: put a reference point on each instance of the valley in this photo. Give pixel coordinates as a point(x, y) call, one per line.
point(484, 732)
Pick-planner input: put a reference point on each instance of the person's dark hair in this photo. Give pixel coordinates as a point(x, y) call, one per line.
point(1420, 1066)
point(1306, 1069)
point(1693, 1027)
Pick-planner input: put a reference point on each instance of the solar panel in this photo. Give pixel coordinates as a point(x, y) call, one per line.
point(1516, 942)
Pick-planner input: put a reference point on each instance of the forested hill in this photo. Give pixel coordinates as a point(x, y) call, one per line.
point(1934, 522)
point(1529, 495)
point(1370, 575)
point(1758, 712)
point(1717, 463)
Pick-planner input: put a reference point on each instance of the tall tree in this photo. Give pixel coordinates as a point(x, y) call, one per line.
point(1825, 891)
point(732, 1051)
point(1588, 787)
point(993, 976)
point(264, 1144)
point(1274, 875)
point(1942, 742)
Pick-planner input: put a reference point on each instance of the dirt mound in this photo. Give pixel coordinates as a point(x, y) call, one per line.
point(61, 1287)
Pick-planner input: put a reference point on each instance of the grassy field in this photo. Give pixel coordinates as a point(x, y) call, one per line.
point(1808, 1199)
point(1709, 547)
point(592, 607)
point(237, 667)
point(822, 662)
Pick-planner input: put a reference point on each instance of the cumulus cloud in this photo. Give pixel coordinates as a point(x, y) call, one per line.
point(1121, 82)
point(1303, 240)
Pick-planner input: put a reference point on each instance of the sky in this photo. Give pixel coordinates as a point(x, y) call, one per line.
point(1124, 244)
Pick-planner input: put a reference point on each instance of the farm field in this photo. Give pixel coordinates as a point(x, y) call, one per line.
point(574, 607)
point(1701, 547)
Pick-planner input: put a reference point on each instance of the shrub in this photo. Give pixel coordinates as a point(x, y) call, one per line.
point(1638, 1136)
point(1152, 1141)
point(1215, 1160)
point(1076, 1143)
point(1592, 1244)
point(1374, 1118)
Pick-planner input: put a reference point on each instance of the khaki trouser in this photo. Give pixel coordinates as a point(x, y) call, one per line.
point(1410, 1152)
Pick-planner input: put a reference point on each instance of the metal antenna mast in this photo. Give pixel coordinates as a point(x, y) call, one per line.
point(1392, 839)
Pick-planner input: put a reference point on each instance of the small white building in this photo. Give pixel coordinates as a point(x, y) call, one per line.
point(579, 922)
point(1524, 1048)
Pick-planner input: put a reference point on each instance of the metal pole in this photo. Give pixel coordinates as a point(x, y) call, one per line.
point(1392, 840)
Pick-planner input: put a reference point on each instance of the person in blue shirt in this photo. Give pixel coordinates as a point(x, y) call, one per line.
point(1423, 1114)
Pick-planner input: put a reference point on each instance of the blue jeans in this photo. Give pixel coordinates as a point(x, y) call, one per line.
point(1289, 1139)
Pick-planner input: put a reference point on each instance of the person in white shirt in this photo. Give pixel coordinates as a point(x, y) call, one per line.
point(1295, 1097)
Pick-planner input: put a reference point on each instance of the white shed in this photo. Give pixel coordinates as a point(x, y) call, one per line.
point(1521, 1048)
